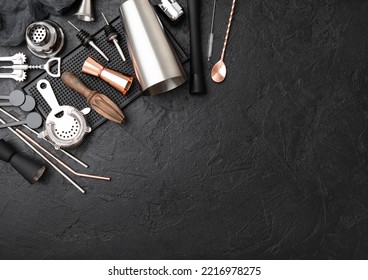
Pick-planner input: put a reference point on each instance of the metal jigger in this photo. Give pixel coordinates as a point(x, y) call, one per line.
point(85, 11)
point(115, 79)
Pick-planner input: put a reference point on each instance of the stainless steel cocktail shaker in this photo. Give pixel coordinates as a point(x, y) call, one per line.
point(155, 62)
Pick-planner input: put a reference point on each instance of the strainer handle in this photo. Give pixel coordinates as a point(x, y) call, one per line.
point(48, 94)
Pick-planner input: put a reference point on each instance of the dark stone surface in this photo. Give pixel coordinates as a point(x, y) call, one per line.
point(271, 164)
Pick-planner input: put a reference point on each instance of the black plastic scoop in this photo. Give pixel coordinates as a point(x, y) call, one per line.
point(17, 98)
point(33, 120)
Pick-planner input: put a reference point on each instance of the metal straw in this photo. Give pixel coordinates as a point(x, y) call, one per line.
point(59, 160)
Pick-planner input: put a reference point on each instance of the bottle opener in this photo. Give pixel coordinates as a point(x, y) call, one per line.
point(19, 67)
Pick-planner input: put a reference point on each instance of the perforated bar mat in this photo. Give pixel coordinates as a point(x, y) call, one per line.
point(73, 62)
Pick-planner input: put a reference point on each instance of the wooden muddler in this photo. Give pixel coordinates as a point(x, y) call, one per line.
point(99, 102)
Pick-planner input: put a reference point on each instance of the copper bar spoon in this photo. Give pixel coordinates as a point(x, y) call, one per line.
point(218, 72)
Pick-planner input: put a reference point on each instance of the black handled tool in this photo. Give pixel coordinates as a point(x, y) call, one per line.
point(197, 80)
point(31, 170)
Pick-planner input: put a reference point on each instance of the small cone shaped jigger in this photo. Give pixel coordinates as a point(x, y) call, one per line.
point(115, 79)
point(98, 101)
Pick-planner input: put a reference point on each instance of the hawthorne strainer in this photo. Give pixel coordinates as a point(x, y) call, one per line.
point(65, 126)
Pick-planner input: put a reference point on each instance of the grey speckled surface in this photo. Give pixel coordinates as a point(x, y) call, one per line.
point(270, 164)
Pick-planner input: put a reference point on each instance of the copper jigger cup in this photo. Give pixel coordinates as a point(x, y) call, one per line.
point(115, 79)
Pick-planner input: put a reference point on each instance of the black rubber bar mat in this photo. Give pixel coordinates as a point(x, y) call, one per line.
point(73, 62)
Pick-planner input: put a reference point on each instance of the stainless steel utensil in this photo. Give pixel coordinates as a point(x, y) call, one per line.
point(19, 67)
point(85, 11)
point(65, 126)
point(155, 63)
point(45, 39)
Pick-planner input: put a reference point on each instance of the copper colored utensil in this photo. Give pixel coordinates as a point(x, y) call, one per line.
point(218, 73)
point(115, 79)
point(99, 102)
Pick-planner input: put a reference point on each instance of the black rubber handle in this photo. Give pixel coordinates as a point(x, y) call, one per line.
point(6, 151)
point(31, 170)
point(197, 80)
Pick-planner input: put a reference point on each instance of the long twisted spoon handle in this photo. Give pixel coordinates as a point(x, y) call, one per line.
point(228, 29)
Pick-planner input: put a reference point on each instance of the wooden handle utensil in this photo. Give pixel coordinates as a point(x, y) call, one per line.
point(99, 102)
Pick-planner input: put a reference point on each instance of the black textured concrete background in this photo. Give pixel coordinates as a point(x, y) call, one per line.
point(270, 164)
